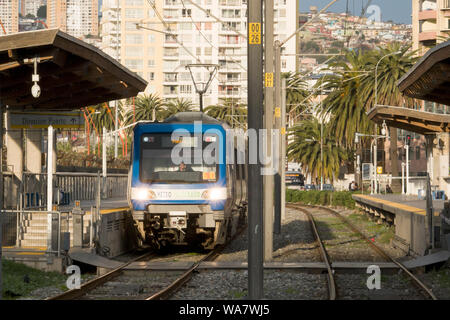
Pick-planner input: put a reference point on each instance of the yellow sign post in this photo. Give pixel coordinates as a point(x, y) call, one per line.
point(254, 33)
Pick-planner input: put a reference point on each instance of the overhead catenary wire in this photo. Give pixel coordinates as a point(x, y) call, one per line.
point(209, 41)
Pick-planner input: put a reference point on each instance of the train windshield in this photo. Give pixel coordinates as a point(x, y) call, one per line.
point(185, 160)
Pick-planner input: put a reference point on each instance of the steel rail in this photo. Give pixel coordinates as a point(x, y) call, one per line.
point(95, 283)
point(416, 280)
point(185, 277)
point(331, 282)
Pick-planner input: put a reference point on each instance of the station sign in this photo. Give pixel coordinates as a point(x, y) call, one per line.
point(367, 171)
point(42, 120)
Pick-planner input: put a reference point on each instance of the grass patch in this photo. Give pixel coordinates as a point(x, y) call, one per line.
point(237, 294)
point(20, 280)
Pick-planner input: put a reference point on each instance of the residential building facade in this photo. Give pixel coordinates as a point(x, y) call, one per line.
point(184, 34)
point(431, 23)
point(9, 16)
point(78, 18)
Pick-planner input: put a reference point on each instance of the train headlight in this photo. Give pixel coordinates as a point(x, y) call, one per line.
point(217, 194)
point(142, 194)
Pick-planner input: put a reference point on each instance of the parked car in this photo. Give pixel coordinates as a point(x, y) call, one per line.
point(328, 187)
point(310, 187)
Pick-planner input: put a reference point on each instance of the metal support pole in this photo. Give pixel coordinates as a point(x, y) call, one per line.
point(403, 178)
point(283, 155)
point(104, 163)
point(375, 161)
point(255, 122)
point(201, 101)
point(49, 186)
point(321, 138)
point(407, 169)
point(278, 101)
point(116, 128)
point(1, 197)
point(268, 114)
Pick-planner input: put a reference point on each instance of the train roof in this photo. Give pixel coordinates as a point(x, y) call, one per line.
point(190, 117)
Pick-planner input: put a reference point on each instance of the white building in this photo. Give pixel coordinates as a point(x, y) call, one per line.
point(9, 16)
point(161, 58)
point(32, 6)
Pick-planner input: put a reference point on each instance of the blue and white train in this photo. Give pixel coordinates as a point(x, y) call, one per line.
point(183, 188)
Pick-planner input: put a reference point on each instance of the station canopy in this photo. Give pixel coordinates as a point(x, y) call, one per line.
point(73, 74)
point(428, 79)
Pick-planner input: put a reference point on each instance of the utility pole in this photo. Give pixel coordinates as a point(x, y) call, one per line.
point(277, 201)
point(268, 102)
point(255, 122)
point(282, 156)
point(1, 197)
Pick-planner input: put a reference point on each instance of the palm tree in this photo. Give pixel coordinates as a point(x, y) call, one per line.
point(228, 111)
point(101, 115)
point(297, 95)
point(146, 107)
point(346, 103)
point(178, 105)
point(305, 149)
point(391, 67)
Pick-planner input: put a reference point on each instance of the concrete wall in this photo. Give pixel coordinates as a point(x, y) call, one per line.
point(412, 228)
point(117, 234)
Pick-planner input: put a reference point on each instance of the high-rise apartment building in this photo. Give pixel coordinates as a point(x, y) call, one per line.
point(431, 23)
point(9, 16)
point(76, 17)
point(195, 37)
point(31, 6)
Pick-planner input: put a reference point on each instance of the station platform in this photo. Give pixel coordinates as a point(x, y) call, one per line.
point(106, 206)
point(409, 215)
point(397, 203)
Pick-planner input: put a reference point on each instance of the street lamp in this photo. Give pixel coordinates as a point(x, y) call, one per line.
point(376, 103)
point(376, 74)
point(373, 154)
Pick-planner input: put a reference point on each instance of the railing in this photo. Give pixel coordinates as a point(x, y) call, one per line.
point(68, 187)
point(25, 229)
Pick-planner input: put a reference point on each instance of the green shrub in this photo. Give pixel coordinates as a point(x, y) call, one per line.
point(322, 198)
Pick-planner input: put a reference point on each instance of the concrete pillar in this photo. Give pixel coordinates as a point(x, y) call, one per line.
point(444, 162)
point(14, 162)
point(33, 158)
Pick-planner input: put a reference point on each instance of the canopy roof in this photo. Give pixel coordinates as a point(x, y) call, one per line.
point(429, 79)
point(410, 119)
point(72, 73)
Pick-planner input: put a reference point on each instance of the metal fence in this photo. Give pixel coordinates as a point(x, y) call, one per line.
point(31, 192)
point(30, 229)
point(49, 231)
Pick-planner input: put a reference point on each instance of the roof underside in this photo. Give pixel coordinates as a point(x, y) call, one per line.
point(429, 79)
point(411, 120)
point(73, 74)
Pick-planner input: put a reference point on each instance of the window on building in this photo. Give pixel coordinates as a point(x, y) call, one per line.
point(185, 89)
point(151, 63)
point(186, 13)
point(133, 63)
point(133, 39)
point(134, 51)
point(132, 13)
point(151, 76)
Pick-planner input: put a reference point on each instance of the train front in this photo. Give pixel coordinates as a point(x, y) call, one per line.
point(178, 183)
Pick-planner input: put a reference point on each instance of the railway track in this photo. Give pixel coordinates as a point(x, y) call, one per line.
point(332, 288)
point(99, 281)
point(138, 282)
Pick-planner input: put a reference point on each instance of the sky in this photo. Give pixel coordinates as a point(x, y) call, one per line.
point(398, 11)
